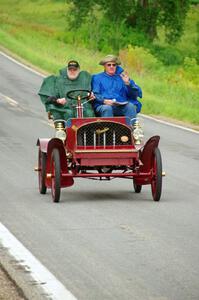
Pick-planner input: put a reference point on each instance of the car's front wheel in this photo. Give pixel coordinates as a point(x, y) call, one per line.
point(42, 171)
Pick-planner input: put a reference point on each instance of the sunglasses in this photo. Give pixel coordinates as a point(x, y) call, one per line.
point(72, 67)
point(111, 65)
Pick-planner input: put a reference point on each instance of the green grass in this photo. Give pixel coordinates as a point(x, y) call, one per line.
point(161, 99)
point(37, 32)
point(42, 52)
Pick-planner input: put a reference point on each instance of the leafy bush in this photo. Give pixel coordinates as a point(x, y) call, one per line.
point(194, 2)
point(168, 55)
point(138, 59)
point(191, 70)
point(101, 34)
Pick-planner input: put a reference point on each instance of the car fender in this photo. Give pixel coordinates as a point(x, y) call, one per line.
point(58, 144)
point(43, 144)
point(146, 155)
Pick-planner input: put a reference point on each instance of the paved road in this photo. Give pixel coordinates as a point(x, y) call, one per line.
point(102, 241)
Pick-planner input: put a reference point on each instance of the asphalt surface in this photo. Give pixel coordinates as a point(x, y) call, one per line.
point(102, 241)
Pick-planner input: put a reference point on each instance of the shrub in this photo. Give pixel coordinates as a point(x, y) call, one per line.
point(168, 55)
point(139, 60)
point(191, 70)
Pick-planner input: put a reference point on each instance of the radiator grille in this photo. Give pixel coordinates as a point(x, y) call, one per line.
point(103, 134)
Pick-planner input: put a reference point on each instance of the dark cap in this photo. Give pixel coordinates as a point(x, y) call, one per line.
point(73, 64)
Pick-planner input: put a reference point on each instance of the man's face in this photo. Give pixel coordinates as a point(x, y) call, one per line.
point(73, 73)
point(110, 67)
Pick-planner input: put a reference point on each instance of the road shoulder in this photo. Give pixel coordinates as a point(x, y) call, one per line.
point(8, 288)
point(16, 282)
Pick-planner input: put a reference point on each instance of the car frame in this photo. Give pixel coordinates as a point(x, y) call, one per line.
point(98, 148)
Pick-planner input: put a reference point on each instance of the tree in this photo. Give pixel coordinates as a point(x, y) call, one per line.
point(142, 15)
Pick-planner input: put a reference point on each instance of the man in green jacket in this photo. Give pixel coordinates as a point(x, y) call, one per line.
point(54, 89)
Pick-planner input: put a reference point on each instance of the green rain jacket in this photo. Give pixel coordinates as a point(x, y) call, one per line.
point(58, 86)
point(48, 89)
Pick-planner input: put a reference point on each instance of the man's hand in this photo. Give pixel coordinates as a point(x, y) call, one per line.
point(108, 102)
point(61, 101)
point(125, 78)
point(92, 96)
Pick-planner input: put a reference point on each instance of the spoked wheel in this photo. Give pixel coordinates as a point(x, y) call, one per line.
point(137, 187)
point(156, 184)
point(42, 171)
point(56, 175)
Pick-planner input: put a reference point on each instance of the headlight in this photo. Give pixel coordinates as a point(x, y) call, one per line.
point(60, 134)
point(138, 133)
point(60, 129)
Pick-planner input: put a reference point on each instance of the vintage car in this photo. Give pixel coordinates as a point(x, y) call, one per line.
point(97, 148)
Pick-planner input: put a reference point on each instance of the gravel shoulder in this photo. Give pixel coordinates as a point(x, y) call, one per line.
point(16, 282)
point(8, 289)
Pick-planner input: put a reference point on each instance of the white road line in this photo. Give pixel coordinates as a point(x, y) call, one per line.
point(169, 124)
point(14, 103)
point(54, 288)
point(22, 65)
point(9, 100)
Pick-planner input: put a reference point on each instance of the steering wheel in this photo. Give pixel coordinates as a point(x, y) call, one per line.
point(74, 94)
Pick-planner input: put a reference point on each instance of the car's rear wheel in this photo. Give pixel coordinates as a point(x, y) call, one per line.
point(42, 171)
point(56, 175)
point(156, 183)
point(137, 187)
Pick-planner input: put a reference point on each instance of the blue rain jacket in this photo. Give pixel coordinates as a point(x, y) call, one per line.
point(105, 86)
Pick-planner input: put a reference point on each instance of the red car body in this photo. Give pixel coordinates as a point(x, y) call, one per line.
point(99, 148)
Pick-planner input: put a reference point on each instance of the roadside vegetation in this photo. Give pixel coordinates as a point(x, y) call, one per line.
point(41, 33)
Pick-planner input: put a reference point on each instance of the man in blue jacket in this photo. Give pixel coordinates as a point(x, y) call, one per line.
point(116, 94)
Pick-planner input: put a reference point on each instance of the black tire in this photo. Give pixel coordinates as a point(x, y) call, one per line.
point(56, 175)
point(156, 184)
point(137, 187)
point(42, 172)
